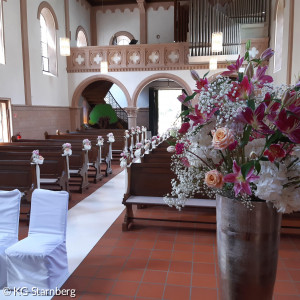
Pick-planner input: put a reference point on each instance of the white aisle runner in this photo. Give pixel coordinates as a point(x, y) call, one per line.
point(87, 223)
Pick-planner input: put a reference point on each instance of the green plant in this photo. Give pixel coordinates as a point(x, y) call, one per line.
point(103, 111)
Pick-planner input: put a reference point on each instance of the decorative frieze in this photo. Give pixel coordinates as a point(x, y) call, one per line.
point(145, 57)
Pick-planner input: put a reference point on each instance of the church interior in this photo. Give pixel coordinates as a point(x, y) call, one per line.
point(85, 81)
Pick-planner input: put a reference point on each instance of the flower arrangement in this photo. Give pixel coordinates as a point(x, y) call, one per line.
point(138, 145)
point(36, 158)
point(100, 140)
point(127, 134)
point(111, 137)
point(123, 159)
point(132, 130)
point(138, 129)
point(87, 144)
point(144, 129)
point(67, 148)
point(242, 138)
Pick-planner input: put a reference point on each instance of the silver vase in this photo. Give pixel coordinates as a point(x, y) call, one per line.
point(248, 241)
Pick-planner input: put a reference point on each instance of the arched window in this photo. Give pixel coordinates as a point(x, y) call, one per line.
point(81, 37)
point(2, 54)
point(48, 25)
point(121, 38)
point(279, 35)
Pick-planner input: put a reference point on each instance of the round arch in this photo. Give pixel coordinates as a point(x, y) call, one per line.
point(43, 5)
point(78, 91)
point(155, 77)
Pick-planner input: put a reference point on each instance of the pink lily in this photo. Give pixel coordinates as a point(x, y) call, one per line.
point(241, 90)
point(255, 119)
point(185, 162)
point(201, 83)
point(267, 54)
point(234, 68)
point(260, 78)
point(179, 148)
point(184, 128)
point(274, 151)
point(201, 118)
point(182, 97)
point(241, 184)
point(289, 126)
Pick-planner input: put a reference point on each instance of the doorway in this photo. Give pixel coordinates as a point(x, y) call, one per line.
point(5, 125)
point(169, 109)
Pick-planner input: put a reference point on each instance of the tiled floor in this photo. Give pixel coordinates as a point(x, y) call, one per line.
point(172, 261)
point(161, 260)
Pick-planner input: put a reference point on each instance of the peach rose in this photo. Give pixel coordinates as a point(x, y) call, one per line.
point(214, 179)
point(222, 138)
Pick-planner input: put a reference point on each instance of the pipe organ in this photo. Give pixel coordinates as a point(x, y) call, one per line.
point(208, 16)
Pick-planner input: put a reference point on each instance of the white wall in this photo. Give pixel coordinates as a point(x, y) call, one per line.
point(160, 22)
point(296, 46)
point(143, 99)
point(280, 77)
point(110, 23)
point(45, 89)
point(79, 16)
point(118, 95)
point(11, 74)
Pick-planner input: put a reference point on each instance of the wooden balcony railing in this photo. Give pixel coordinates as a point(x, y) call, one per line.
point(146, 57)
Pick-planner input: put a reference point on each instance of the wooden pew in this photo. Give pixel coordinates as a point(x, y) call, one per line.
point(77, 161)
point(21, 175)
point(53, 171)
point(149, 181)
point(93, 154)
point(118, 145)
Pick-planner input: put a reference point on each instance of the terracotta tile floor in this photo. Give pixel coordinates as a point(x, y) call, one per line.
point(164, 260)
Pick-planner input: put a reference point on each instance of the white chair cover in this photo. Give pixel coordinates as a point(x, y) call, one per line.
point(9, 226)
point(40, 260)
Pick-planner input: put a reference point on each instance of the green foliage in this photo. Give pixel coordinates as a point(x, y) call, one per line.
point(103, 111)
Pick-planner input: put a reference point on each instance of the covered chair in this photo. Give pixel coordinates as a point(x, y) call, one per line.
point(9, 226)
point(40, 260)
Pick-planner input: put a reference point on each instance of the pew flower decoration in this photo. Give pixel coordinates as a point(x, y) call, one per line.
point(138, 129)
point(100, 140)
point(144, 129)
point(86, 144)
point(111, 137)
point(36, 158)
point(123, 159)
point(67, 148)
point(127, 134)
point(132, 130)
point(241, 140)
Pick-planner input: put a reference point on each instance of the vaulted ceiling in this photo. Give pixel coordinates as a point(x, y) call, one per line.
point(119, 2)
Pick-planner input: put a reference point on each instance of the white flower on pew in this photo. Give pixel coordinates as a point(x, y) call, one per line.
point(111, 137)
point(123, 159)
point(100, 140)
point(67, 149)
point(87, 144)
point(138, 129)
point(132, 130)
point(171, 149)
point(144, 129)
point(127, 134)
point(154, 140)
point(36, 158)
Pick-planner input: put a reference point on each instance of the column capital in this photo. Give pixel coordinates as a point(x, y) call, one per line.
point(131, 111)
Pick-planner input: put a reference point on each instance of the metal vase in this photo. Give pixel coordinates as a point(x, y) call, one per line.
point(248, 241)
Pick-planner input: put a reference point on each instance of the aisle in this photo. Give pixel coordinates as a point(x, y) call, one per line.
point(87, 223)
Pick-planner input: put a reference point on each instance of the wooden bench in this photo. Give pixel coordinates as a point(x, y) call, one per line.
point(78, 161)
point(53, 171)
point(96, 161)
point(21, 175)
